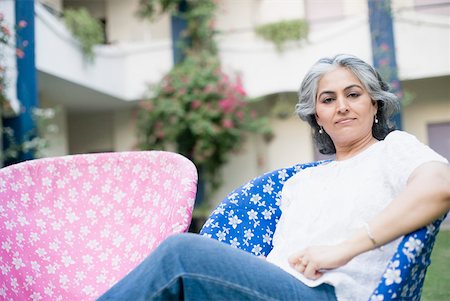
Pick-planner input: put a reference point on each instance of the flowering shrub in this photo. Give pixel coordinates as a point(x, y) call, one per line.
point(200, 111)
point(33, 141)
point(5, 35)
point(196, 108)
point(5, 41)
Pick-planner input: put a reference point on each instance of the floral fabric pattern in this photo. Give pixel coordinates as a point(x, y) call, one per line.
point(247, 217)
point(71, 227)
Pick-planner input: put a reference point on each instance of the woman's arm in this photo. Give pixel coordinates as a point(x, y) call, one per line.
point(425, 198)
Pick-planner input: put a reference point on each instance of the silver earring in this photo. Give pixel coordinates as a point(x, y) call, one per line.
point(321, 130)
point(376, 119)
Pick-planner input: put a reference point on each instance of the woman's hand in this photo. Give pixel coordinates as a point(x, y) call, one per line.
point(313, 261)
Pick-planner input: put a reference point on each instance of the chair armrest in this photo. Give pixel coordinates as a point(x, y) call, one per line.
point(405, 272)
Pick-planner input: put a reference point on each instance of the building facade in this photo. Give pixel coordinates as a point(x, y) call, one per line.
point(97, 101)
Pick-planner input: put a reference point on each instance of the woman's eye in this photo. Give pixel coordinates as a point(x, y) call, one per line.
point(327, 100)
point(353, 95)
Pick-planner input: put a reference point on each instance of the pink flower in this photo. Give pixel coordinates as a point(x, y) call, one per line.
point(195, 104)
point(148, 106)
point(384, 46)
point(20, 54)
point(208, 89)
point(160, 134)
point(227, 123)
point(6, 31)
point(22, 23)
point(240, 115)
point(25, 43)
point(384, 62)
point(239, 87)
point(227, 104)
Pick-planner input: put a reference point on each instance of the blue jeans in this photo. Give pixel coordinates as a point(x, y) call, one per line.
point(193, 267)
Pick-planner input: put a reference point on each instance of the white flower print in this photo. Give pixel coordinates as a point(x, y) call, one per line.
point(246, 188)
point(10, 225)
point(67, 260)
point(391, 276)
point(17, 262)
point(267, 214)
point(267, 238)
point(234, 243)
point(234, 221)
point(36, 267)
point(221, 235)
point(414, 244)
point(377, 297)
point(22, 219)
point(267, 188)
point(71, 216)
point(208, 222)
point(256, 250)
point(29, 281)
point(75, 173)
point(248, 234)
point(6, 245)
point(252, 215)
point(46, 181)
point(255, 199)
point(35, 296)
point(88, 290)
point(48, 290)
point(282, 175)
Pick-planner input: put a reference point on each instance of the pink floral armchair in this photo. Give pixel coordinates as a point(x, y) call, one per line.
point(70, 227)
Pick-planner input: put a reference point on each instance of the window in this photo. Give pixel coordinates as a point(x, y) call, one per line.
point(439, 138)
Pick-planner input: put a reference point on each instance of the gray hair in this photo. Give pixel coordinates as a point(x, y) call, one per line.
point(378, 89)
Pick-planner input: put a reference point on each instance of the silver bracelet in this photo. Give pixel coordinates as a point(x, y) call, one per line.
point(369, 234)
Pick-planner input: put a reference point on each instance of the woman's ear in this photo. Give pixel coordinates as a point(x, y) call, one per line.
point(317, 119)
point(375, 104)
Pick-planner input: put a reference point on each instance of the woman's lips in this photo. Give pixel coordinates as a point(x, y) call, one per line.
point(345, 120)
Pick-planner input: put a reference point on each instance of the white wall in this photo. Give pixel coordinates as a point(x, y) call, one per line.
point(124, 27)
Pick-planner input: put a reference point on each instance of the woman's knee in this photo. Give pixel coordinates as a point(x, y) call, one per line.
point(180, 243)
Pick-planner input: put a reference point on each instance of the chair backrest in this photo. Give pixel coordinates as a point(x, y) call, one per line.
point(247, 218)
point(70, 227)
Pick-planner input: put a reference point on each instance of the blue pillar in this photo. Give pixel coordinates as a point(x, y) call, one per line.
point(178, 26)
point(23, 125)
point(383, 46)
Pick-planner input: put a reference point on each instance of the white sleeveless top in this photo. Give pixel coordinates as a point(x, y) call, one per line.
point(324, 205)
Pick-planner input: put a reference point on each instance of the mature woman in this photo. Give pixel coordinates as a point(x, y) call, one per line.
point(340, 222)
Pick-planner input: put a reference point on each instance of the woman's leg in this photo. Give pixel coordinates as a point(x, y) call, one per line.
point(193, 267)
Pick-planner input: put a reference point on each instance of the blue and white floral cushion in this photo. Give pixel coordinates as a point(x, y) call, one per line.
point(247, 217)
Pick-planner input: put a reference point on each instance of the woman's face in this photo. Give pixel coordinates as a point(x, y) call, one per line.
point(344, 108)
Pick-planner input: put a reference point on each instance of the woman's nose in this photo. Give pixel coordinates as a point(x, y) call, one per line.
point(342, 105)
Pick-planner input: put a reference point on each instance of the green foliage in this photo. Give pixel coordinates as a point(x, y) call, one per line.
point(199, 14)
point(35, 141)
point(201, 111)
point(152, 8)
point(5, 35)
point(85, 28)
point(281, 32)
point(435, 287)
